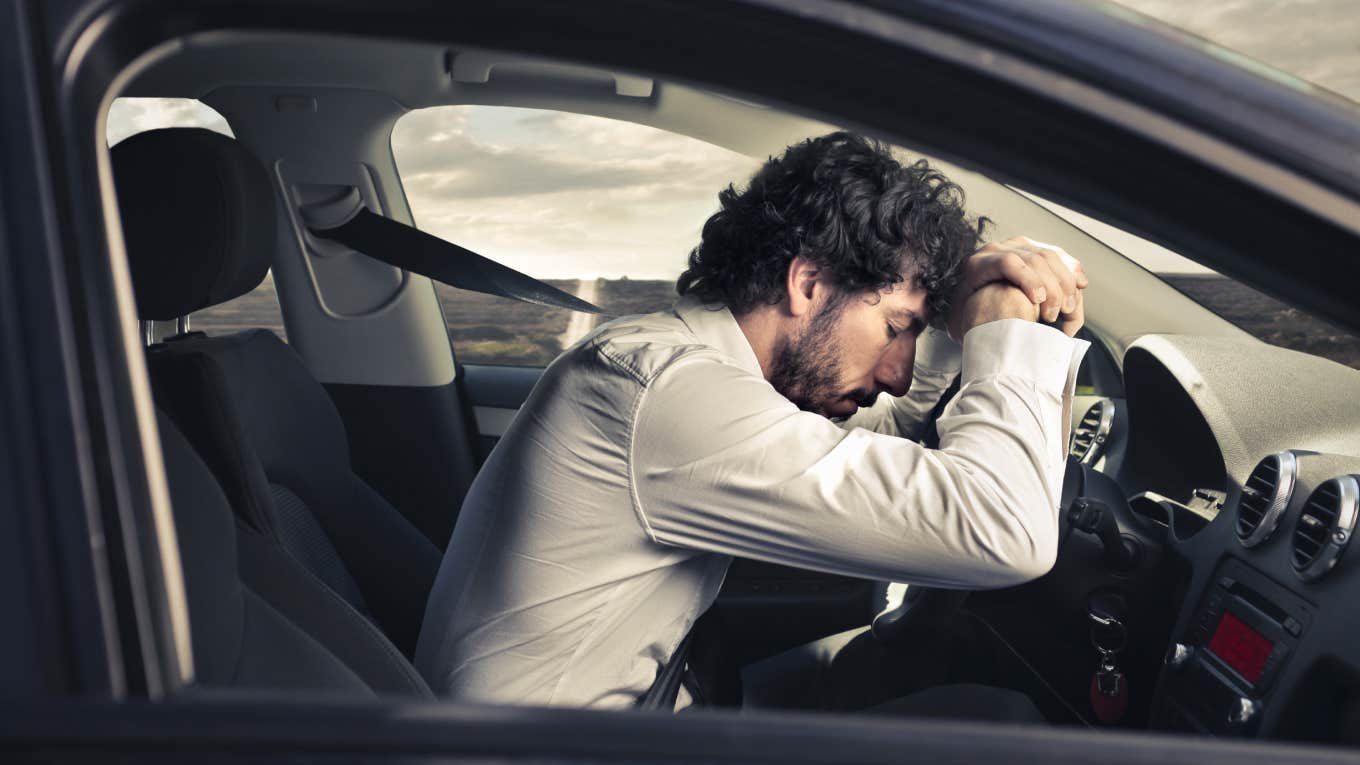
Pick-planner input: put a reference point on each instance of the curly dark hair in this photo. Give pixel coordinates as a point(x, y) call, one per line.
point(844, 203)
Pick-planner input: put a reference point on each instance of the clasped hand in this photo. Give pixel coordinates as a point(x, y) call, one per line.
point(1019, 279)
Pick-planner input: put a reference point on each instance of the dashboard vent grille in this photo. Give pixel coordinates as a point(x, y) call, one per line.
point(1088, 438)
point(1325, 526)
point(1264, 498)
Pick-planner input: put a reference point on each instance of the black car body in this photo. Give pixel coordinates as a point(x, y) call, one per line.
point(1258, 179)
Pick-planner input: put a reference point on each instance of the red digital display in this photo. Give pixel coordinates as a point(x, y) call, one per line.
point(1241, 647)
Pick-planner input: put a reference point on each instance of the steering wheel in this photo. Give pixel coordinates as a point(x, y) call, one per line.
point(905, 610)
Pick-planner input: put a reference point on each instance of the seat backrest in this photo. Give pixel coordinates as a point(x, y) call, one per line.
point(238, 639)
point(273, 437)
point(247, 403)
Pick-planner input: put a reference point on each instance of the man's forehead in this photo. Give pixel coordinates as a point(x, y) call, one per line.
point(907, 301)
point(909, 317)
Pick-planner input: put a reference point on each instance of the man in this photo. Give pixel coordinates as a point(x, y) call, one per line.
point(657, 449)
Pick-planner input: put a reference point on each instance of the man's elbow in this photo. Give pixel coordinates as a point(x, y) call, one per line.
point(1030, 553)
point(1035, 556)
point(1039, 562)
point(1016, 524)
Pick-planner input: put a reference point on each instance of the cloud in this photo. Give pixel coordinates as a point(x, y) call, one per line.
point(454, 167)
point(129, 116)
point(1314, 40)
point(557, 194)
point(547, 152)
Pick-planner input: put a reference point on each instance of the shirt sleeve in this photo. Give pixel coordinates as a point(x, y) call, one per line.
point(938, 361)
point(721, 462)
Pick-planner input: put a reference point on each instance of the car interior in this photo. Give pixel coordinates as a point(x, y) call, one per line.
point(1210, 496)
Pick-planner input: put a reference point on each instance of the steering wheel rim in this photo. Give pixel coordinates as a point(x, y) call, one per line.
point(923, 609)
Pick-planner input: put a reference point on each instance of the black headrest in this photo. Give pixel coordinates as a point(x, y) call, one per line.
point(198, 218)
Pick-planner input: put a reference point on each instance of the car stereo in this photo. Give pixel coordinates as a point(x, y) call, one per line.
point(1242, 649)
point(1219, 675)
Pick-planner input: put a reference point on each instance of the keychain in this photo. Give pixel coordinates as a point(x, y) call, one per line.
point(1109, 688)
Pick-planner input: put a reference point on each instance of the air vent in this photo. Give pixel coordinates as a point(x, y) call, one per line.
point(1264, 497)
point(1325, 526)
point(1088, 438)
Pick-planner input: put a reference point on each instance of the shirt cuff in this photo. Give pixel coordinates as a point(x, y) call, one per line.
point(1025, 349)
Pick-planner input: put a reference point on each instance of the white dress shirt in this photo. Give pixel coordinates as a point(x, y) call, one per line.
point(653, 451)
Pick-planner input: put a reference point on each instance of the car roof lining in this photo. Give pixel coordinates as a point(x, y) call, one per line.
point(419, 75)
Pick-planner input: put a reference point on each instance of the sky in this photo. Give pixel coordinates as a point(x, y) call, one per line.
point(562, 195)
point(556, 194)
point(129, 116)
point(1315, 40)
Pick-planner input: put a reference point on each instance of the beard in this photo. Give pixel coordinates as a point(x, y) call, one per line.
point(806, 369)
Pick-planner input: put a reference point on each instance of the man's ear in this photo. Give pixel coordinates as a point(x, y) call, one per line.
point(802, 282)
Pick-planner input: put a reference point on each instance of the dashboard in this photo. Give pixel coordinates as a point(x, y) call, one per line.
point(1239, 462)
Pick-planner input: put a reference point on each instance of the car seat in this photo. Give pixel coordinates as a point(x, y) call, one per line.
point(199, 219)
point(239, 640)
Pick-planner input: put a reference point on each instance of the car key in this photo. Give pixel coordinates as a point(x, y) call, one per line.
point(1109, 688)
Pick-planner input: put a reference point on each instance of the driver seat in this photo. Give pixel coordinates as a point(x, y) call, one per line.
point(856, 672)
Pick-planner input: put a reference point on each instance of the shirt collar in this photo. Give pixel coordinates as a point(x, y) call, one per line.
point(716, 326)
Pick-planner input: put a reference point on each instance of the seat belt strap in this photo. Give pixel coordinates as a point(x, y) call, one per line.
point(403, 246)
point(666, 689)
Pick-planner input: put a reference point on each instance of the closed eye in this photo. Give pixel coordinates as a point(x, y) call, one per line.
point(917, 327)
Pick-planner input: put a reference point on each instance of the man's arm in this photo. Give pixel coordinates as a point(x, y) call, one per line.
point(721, 462)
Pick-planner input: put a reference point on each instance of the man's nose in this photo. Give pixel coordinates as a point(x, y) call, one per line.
point(894, 371)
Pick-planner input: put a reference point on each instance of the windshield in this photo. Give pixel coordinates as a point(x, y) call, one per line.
point(1259, 314)
point(1317, 41)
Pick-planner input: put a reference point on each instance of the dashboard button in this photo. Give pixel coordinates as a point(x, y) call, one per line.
point(1179, 655)
point(1243, 712)
point(1292, 626)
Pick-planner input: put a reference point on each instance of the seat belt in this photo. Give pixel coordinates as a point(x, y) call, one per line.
point(666, 688)
point(346, 220)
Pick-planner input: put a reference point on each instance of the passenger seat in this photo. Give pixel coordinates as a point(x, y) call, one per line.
point(238, 640)
point(199, 219)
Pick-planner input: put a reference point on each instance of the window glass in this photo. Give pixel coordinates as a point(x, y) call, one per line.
point(603, 209)
point(1098, 374)
point(609, 210)
point(258, 308)
point(1259, 314)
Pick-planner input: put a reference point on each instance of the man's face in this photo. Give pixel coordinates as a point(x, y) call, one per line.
point(852, 348)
